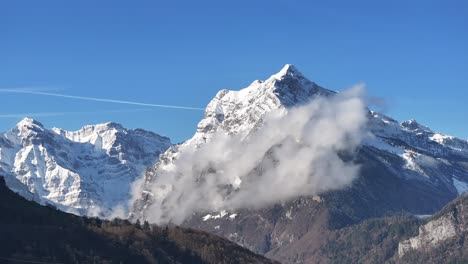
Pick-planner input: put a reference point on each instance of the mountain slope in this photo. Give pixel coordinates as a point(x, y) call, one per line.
point(33, 233)
point(88, 171)
point(404, 167)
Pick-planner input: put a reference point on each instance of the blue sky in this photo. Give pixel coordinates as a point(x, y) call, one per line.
point(413, 54)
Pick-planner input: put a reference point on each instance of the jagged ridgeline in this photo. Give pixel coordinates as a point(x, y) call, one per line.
point(86, 172)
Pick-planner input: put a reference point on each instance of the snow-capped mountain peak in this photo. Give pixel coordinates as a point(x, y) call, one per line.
point(28, 124)
point(26, 131)
point(292, 88)
point(241, 111)
point(288, 70)
point(85, 171)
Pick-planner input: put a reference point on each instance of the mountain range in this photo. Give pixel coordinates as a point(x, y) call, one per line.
point(86, 172)
point(406, 172)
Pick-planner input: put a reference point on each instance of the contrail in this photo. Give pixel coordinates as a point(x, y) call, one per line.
point(24, 91)
point(48, 114)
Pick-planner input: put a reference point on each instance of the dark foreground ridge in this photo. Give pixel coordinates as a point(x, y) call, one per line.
point(40, 234)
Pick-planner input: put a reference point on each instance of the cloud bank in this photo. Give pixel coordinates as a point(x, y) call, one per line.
point(295, 153)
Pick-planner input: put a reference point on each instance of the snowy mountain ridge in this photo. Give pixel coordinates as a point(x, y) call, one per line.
point(88, 171)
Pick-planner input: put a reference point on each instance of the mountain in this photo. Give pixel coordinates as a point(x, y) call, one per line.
point(31, 233)
point(87, 172)
point(404, 168)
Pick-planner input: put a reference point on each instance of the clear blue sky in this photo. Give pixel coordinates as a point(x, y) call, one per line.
point(414, 54)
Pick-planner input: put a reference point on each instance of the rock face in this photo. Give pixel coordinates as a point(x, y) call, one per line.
point(87, 172)
point(405, 167)
point(452, 223)
point(430, 235)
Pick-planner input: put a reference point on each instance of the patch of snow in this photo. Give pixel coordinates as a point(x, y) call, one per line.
point(237, 182)
point(409, 157)
point(288, 214)
point(382, 145)
point(232, 216)
point(461, 186)
point(220, 215)
point(215, 216)
point(422, 216)
point(206, 217)
point(439, 138)
point(147, 193)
